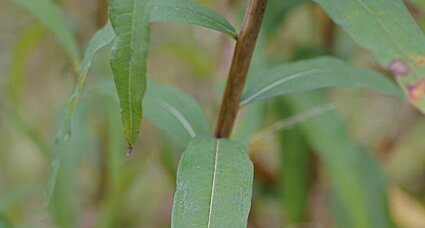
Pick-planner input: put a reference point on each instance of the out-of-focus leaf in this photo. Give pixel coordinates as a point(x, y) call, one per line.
point(276, 12)
point(4, 221)
point(387, 29)
point(50, 16)
point(295, 174)
point(356, 178)
point(186, 11)
point(314, 74)
point(99, 40)
point(251, 120)
point(130, 20)
point(214, 185)
point(179, 115)
point(29, 40)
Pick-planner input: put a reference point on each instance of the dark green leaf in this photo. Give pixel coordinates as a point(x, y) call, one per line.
point(214, 185)
point(177, 114)
point(314, 74)
point(387, 29)
point(130, 20)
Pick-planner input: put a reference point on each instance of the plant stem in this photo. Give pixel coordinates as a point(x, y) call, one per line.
point(239, 69)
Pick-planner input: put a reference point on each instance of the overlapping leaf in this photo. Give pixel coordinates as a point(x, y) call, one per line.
point(357, 180)
point(179, 115)
point(386, 28)
point(186, 11)
point(214, 185)
point(314, 74)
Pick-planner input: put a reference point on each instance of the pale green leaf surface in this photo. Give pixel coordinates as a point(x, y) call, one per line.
point(130, 20)
point(386, 28)
point(315, 74)
point(51, 16)
point(176, 113)
point(27, 43)
point(356, 178)
point(214, 185)
point(99, 40)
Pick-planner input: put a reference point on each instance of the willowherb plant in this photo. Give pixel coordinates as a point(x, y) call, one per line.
point(215, 175)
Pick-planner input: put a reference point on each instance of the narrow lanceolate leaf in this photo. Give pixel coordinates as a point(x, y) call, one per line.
point(186, 11)
point(314, 74)
point(386, 28)
point(100, 39)
point(357, 179)
point(176, 113)
point(50, 16)
point(214, 185)
point(130, 20)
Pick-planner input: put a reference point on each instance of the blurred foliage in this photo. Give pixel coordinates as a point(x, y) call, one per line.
point(98, 186)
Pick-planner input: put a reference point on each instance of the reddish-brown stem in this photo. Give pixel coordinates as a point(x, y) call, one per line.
point(244, 49)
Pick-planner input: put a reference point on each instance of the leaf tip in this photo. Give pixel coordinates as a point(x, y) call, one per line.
point(129, 150)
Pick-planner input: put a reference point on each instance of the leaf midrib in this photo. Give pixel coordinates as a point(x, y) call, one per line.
point(210, 19)
point(273, 84)
point(130, 98)
point(217, 149)
point(180, 117)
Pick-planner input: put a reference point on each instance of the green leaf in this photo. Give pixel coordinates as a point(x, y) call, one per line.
point(386, 28)
point(176, 113)
point(214, 185)
point(99, 40)
point(356, 178)
point(185, 11)
point(295, 170)
point(130, 20)
point(314, 74)
point(50, 16)
point(26, 44)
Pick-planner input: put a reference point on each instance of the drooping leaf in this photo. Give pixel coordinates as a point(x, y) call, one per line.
point(179, 115)
point(314, 74)
point(386, 28)
point(186, 11)
point(130, 20)
point(51, 16)
point(99, 40)
point(356, 178)
point(214, 185)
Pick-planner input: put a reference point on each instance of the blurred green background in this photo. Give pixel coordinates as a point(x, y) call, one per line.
point(90, 182)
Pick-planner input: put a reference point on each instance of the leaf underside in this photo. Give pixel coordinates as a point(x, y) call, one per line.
point(214, 185)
